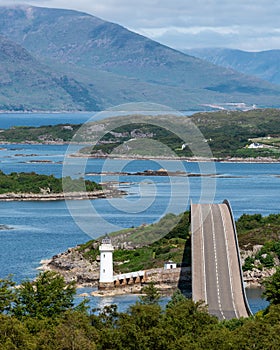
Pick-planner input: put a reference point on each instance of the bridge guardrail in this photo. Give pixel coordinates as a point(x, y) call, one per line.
point(238, 255)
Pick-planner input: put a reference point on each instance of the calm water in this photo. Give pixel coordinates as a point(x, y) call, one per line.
point(42, 229)
point(8, 120)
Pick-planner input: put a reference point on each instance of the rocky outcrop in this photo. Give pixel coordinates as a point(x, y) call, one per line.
point(73, 267)
point(255, 277)
point(258, 273)
point(5, 227)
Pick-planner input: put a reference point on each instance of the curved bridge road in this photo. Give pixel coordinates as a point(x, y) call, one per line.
point(216, 269)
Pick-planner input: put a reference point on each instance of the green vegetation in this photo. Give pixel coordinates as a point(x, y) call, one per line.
point(40, 315)
point(152, 256)
point(37, 183)
point(228, 134)
point(259, 230)
point(151, 295)
point(272, 288)
point(47, 296)
point(48, 133)
point(169, 239)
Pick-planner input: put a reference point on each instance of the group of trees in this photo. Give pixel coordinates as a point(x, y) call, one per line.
point(42, 315)
point(36, 183)
point(46, 133)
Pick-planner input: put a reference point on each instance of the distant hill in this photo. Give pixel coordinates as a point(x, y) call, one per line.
point(27, 84)
point(264, 64)
point(98, 64)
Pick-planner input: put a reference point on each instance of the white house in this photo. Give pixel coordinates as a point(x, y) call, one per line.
point(168, 265)
point(255, 145)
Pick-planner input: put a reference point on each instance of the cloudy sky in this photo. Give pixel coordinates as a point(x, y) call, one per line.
point(251, 25)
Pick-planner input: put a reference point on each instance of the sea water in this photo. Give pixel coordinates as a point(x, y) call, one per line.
point(38, 230)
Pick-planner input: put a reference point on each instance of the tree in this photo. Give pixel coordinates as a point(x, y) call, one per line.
point(151, 294)
point(7, 294)
point(272, 288)
point(47, 296)
point(176, 298)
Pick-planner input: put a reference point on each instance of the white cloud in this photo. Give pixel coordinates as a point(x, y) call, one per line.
point(225, 23)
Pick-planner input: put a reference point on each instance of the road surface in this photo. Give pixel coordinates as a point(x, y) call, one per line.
point(216, 272)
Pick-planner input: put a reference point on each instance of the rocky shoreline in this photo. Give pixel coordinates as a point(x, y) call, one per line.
point(106, 193)
point(140, 157)
point(188, 159)
point(74, 267)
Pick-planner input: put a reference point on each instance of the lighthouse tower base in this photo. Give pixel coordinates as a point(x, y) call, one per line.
point(106, 285)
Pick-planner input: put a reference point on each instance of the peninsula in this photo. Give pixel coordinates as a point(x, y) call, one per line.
point(37, 187)
point(258, 240)
point(219, 136)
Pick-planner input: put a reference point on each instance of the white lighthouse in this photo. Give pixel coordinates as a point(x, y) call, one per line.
point(106, 263)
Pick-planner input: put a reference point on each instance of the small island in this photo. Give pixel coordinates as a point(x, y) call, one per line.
point(37, 187)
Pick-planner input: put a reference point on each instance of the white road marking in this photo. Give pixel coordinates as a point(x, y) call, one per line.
point(216, 264)
point(203, 253)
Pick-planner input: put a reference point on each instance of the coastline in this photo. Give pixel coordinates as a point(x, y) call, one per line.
point(138, 157)
point(72, 265)
point(109, 193)
point(187, 159)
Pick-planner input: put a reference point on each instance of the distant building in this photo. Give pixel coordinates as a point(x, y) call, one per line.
point(67, 127)
point(255, 145)
point(168, 265)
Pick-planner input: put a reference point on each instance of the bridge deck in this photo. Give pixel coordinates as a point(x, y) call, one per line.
point(216, 271)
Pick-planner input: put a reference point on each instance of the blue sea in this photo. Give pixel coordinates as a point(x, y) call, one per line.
point(39, 230)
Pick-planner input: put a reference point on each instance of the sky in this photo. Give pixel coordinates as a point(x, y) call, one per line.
point(251, 25)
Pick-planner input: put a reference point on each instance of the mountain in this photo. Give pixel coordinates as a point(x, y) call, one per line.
point(98, 64)
point(264, 64)
point(26, 83)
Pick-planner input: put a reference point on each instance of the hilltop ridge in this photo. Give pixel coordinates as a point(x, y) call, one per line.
point(91, 64)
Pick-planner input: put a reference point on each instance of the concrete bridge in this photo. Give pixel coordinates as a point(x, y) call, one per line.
point(216, 267)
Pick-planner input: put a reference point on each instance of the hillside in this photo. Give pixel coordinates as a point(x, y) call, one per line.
point(228, 134)
point(27, 84)
point(264, 64)
point(101, 64)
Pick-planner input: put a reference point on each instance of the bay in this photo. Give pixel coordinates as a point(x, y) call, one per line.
point(39, 230)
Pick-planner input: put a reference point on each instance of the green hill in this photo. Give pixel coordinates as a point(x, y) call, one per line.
point(226, 134)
